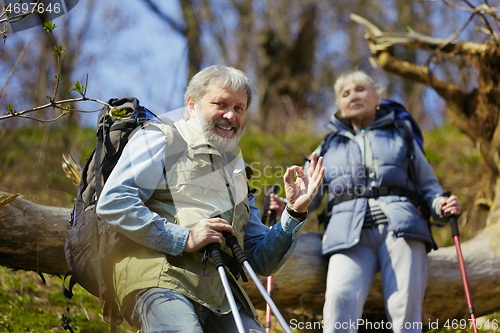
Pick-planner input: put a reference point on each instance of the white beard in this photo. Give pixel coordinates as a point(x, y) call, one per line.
point(207, 126)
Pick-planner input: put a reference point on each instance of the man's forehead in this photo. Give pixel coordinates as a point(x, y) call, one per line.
point(217, 92)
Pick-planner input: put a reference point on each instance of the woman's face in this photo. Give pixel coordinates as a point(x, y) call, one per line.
point(358, 102)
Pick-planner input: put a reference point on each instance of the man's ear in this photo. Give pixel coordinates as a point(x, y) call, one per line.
point(190, 105)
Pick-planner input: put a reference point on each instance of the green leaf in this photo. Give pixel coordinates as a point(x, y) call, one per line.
point(49, 26)
point(58, 50)
point(10, 108)
point(78, 88)
point(49, 97)
point(118, 113)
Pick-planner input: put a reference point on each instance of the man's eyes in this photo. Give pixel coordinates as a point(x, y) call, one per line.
point(223, 105)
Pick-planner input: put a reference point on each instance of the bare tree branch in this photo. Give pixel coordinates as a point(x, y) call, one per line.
point(19, 58)
point(379, 41)
point(175, 25)
point(55, 104)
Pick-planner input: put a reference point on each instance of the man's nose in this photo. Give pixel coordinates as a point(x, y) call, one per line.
point(230, 114)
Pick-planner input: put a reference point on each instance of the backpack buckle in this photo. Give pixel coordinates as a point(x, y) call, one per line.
point(371, 192)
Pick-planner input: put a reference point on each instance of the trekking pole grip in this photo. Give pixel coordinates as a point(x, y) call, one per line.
point(232, 243)
point(216, 256)
point(452, 219)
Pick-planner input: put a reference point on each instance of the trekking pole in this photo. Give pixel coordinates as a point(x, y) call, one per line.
point(272, 220)
point(232, 243)
point(455, 234)
point(214, 252)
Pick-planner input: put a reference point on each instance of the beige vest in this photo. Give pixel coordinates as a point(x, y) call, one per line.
point(197, 186)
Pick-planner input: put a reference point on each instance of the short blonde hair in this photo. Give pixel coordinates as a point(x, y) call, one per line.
point(356, 77)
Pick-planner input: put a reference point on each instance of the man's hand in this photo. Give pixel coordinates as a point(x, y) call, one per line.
point(206, 232)
point(301, 192)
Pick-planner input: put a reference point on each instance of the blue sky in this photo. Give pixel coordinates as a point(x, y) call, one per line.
point(145, 59)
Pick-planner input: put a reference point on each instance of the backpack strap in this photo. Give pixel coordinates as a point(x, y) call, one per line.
point(324, 216)
point(375, 192)
point(422, 205)
point(111, 310)
point(326, 143)
point(408, 137)
point(69, 294)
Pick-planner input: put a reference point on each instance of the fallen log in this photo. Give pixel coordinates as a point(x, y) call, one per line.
point(32, 238)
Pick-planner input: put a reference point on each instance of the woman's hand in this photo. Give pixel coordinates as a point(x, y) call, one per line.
point(450, 206)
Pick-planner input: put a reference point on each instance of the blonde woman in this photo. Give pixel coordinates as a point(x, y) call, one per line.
point(375, 224)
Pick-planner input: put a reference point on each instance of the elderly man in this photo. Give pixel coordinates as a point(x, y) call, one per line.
point(175, 189)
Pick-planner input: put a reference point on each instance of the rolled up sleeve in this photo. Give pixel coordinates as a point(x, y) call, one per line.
point(269, 248)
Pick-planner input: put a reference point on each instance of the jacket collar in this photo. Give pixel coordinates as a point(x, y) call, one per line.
point(384, 116)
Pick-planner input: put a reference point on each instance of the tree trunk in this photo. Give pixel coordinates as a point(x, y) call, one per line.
point(32, 238)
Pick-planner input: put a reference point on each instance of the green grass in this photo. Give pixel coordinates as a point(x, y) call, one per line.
point(26, 305)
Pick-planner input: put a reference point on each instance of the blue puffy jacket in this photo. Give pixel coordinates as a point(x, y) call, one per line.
point(376, 156)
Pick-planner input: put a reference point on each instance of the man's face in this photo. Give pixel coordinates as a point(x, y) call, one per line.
point(221, 116)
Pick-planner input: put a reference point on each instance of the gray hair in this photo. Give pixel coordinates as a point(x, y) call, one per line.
point(356, 77)
point(221, 76)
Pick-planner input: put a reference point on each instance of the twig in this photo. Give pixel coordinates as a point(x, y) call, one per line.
point(57, 53)
point(19, 58)
point(494, 15)
point(455, 34)
point(486, 7)
point(56, 104)
point(481, 10)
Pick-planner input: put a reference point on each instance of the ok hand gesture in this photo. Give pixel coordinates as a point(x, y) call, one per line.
point(301, 192)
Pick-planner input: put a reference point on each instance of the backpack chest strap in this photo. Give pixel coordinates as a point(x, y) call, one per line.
point(375, 192)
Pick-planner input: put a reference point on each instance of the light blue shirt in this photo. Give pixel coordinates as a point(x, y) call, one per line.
point(134, 180)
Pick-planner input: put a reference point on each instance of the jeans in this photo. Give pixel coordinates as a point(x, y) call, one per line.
point(157, 310)
point(403, 266)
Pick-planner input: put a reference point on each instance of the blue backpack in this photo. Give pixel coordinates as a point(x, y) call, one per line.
point(401, 115)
